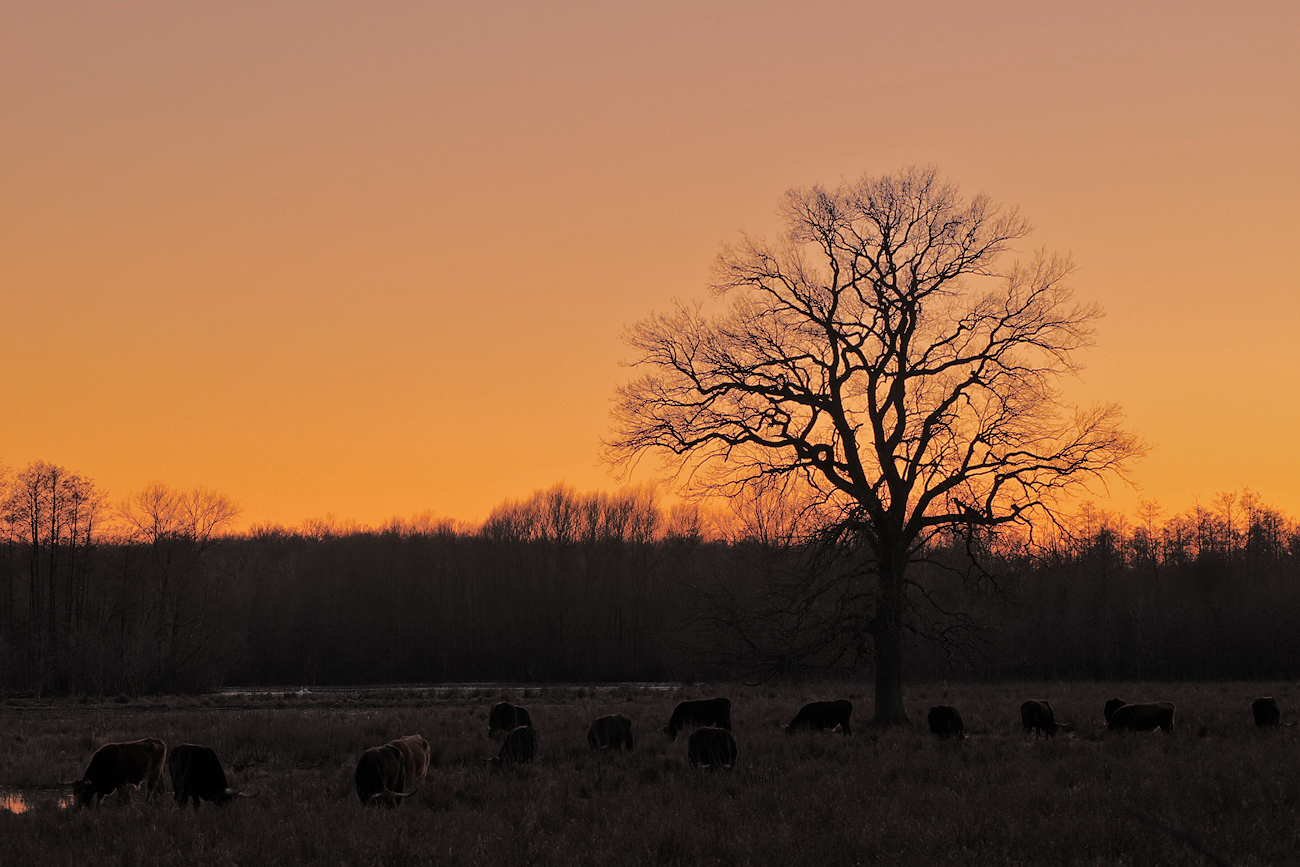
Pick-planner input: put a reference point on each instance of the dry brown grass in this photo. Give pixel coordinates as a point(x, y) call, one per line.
point(889, 797)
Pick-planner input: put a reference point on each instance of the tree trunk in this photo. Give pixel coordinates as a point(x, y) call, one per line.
point(889, 678)
point(888, 636)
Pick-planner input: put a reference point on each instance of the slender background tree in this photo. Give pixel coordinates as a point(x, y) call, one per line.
point(885, 361)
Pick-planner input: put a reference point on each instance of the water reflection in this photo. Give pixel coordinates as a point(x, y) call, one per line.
point(21, 802)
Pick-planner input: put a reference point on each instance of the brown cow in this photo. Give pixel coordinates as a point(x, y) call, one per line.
point(702, 712)
point(610, 732)
point(711, 747)
point(1143, 716)
point(416, 753)
point(113, 767)
point(506, 717)
point(383, 772)
point(821, 715)
point(196, 773)
point(519, 747)
point(1037, 714)
point(945, 722)
point(1266, 712)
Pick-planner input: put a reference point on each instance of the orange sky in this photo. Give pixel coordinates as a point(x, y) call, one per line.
point(373, 259)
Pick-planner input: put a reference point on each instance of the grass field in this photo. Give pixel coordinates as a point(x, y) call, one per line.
point(880, 797)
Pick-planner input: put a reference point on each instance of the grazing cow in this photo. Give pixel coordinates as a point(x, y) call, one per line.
point(113, 767)
point(711, 747)
point(519, 747)
point(1143, 716)
point(1266, 712)
point(945, 721)
point(611, 732)
point(506, 717)
point(821, 715)
point(702, 712)
point(196, 773)
point(415, 753)
point(1037, 714)
point(1111, 706)
point(383, 772)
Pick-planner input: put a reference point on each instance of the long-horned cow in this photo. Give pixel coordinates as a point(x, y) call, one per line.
point(196, 773)
point(519, 747)
point(383, 772)
point(945, 722)
point(1037, 714)
point(711, 747)
point(1143, 716)
point(611, 732)
point(113, 767)
point(701, 712)
point(506, 717)
point(821, 715)
point(1266, 712)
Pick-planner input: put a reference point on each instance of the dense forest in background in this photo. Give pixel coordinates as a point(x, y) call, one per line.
point(155, 594)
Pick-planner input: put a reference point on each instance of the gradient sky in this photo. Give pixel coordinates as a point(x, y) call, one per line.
point(375, 258)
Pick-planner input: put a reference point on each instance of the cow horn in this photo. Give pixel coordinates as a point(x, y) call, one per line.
point(243, 795)
point(70, 782)
point(407, 794)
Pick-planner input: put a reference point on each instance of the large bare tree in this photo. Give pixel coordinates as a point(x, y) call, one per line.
point(884, 356)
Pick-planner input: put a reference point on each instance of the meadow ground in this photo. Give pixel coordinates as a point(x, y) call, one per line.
point(896, 796)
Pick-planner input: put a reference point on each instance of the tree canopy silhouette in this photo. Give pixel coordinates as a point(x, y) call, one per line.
point(883, 358)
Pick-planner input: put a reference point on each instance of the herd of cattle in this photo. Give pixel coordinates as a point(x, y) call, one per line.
point(385, 773)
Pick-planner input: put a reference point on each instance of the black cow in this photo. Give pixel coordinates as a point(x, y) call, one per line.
point(506, 717)
point(196, 773)
point(113, 767)
point(1111, 706)
point(945, 721)
point(383, 772)
point(702, 712)
point(1266, 712)
point(821, 715)
point(1143, 716)
point(611, 732)
point(711, 747)
point(519, 747)
point(1037, 714)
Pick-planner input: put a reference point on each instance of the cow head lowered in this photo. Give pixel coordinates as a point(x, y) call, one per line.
point(115, 767)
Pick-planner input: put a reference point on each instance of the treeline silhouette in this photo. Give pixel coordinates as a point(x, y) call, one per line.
point(154, 594)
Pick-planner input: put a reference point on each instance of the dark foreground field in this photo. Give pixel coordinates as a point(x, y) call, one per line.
point(891, 797)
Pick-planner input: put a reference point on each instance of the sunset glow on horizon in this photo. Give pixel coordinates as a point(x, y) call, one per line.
point(376, 260)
